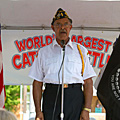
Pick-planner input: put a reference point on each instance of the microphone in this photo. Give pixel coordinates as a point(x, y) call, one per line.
point(62, 91)
point(63, 44)
point(62, 94)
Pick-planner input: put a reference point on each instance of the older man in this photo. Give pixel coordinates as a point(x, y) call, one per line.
point(76, 72)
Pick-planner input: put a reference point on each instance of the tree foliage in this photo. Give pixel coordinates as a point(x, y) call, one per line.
point(12, 96)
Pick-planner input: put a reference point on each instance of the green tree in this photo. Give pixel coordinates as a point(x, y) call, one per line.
point(12, 96)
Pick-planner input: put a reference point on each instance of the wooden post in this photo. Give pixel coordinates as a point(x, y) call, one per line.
point(24, 101)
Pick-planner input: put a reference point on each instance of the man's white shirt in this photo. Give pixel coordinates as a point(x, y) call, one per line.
point(46, 66)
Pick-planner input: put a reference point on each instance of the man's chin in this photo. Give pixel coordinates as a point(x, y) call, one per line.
point(64, 38)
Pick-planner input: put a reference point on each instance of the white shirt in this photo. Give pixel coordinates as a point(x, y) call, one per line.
point(46, 66)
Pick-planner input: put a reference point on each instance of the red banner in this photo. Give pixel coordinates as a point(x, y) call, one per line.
point(2, 87)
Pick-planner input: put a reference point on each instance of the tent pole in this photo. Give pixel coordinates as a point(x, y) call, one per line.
point(21, 113)
point(43, 27)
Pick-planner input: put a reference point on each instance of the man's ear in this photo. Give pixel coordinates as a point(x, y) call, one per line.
point(52, 28)
point(70, 27)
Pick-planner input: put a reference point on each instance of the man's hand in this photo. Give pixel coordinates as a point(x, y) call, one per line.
point(88, 94)
point(39, 116)
point(37, 95)
point(84, 115)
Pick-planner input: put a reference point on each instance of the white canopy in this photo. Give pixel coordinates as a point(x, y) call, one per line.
point(40, 12)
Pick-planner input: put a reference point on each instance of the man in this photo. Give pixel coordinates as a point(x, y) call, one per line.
point(45, 69)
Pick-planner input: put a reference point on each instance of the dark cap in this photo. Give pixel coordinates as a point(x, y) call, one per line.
point(59, 15)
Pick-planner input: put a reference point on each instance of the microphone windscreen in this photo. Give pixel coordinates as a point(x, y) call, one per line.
point(63, 42)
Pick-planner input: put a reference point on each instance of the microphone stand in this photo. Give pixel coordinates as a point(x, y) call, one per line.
point(62, 94)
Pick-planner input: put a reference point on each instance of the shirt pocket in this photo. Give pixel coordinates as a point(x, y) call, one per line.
point(51, 65)
point(74, 64)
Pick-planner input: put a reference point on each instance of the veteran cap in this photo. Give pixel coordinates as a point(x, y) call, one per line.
point(59, 15)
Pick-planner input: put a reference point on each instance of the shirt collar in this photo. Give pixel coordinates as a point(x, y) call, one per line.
point(55, 43)
point(68, 44)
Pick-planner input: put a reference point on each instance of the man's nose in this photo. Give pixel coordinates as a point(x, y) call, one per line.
point(62, 26)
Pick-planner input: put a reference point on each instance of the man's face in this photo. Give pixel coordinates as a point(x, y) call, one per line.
point(62, 28)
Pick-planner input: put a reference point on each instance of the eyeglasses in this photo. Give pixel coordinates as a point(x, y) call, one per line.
point(59, 25)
